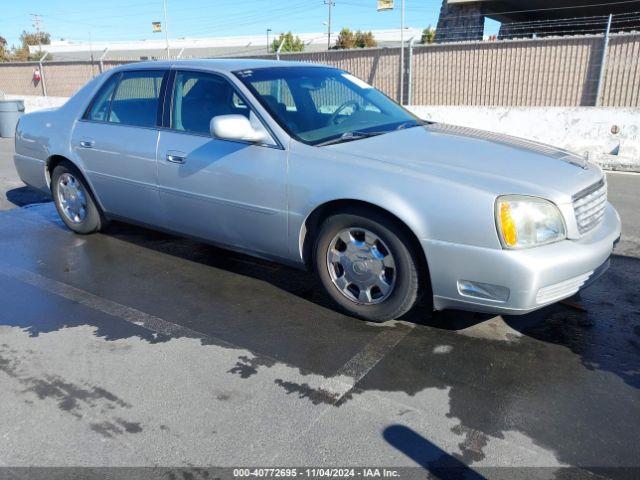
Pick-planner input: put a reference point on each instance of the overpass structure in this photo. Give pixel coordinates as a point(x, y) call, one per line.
point(463, 20)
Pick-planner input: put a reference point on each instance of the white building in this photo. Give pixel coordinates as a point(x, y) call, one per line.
point(200, 47)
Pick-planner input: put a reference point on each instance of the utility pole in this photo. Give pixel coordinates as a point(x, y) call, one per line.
point(330, 4)
point(603, 62)
point(91, 52)
point(37, 21)
point(166, 27)
point(268, 48)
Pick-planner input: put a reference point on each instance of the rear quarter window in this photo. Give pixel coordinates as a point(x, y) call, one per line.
point(99, 108)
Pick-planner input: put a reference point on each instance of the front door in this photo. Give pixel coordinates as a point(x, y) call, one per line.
point(228, 192)
point(116, 142)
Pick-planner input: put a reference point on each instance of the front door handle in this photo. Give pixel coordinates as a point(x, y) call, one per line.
point(86, 143)
point(176, 157)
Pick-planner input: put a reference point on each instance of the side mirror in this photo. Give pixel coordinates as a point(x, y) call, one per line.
point(236, 127)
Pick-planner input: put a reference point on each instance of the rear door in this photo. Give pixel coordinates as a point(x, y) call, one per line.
point(229, 192)
point(116, 141)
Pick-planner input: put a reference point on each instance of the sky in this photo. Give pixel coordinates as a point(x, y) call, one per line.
point(113, 20)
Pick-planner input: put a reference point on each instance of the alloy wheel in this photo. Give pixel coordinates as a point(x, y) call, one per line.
point(361, 266)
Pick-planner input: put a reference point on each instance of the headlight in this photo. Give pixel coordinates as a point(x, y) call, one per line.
point(525, 222)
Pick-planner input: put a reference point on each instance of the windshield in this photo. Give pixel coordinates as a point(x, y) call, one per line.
point(319, 105)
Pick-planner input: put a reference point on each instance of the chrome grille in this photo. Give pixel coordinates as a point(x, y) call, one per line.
point(589, 206)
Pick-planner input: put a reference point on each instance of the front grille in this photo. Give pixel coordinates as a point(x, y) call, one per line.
point(589, 206)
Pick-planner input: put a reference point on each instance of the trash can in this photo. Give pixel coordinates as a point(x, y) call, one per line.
point(10, 112)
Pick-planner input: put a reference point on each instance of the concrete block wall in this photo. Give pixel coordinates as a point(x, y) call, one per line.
point(33, 103)
point(607, 136)
point(459, 23)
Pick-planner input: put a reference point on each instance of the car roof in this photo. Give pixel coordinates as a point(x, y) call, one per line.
point(224, 65)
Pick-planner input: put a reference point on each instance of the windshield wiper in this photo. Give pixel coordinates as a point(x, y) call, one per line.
point(413, 123)
point(358, 134)
point(348, 137)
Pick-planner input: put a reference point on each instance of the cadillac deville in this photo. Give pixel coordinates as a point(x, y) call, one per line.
point(310, 166)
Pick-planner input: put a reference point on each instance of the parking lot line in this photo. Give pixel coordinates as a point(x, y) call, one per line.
point(132, 315)
point(362, 363)
point(352, 372)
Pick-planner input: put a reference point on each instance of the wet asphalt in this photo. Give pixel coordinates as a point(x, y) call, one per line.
point(136, 348)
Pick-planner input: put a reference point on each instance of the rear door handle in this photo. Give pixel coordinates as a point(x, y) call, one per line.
point(176, 157)
point(86, 143)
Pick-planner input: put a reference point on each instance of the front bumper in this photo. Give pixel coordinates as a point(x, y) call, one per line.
point(534, 277)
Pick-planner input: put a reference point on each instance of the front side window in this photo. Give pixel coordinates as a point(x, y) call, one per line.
point(320, 105)
point(136, 99)
point(200, 96)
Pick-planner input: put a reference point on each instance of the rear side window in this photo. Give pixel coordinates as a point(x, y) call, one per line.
point(136, 99)
point(100, 106)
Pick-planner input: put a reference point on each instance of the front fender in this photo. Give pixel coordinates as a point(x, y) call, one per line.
point(433, 208)
point(396, 206)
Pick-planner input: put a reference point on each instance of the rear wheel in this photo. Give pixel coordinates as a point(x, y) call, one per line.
point(367, 264)
point(74, 201)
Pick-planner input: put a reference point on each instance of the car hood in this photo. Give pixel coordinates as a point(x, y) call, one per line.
point(490, 161)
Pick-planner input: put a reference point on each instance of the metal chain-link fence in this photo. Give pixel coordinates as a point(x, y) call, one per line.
point(553, 71)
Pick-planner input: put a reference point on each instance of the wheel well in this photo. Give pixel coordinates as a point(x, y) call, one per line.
point(52, 162)
point(321, 213)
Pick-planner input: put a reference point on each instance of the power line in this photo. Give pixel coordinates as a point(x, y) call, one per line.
point(206, 24)
point(256, 19)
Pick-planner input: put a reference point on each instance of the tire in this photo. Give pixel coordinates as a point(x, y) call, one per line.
point(90, 218)
point(362, 226)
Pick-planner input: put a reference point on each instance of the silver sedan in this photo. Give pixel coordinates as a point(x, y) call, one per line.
point(309, 165)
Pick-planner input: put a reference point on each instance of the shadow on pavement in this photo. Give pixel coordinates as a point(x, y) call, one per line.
point(23, 196)
point(436, 461)
point(37, 312)
point(297, 282)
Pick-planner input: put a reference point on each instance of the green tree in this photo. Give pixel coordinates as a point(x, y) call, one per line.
point(29, 38)
point(365, 40)
point(346, 39)
point(34, 38)
point(428, 35)
point(291, 43)
point(4, 54)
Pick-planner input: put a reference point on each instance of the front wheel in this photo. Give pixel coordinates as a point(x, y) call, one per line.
point(367, 265)
point(73, 200)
